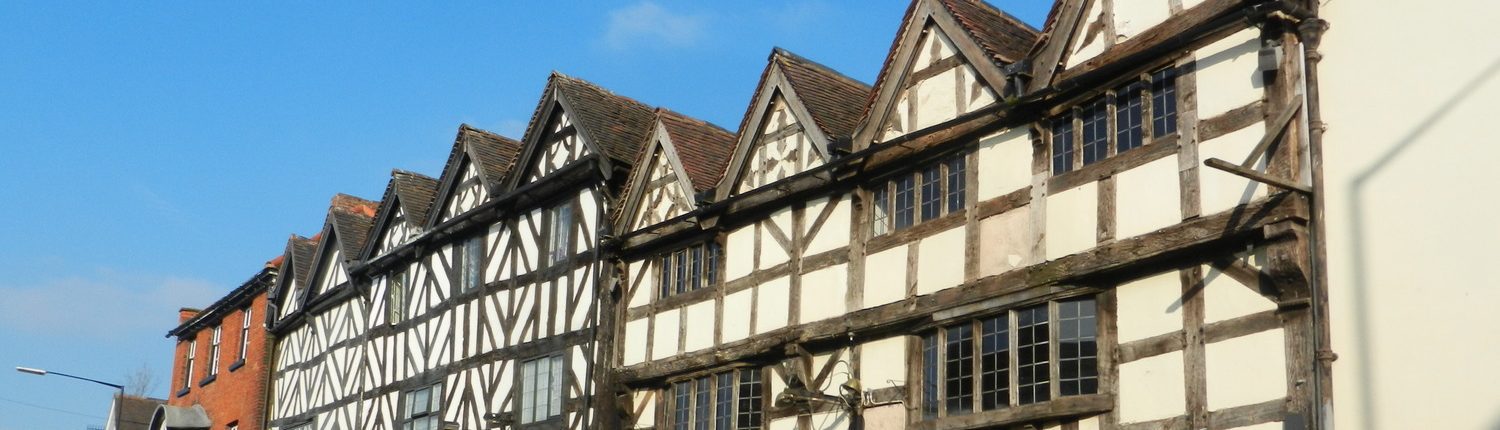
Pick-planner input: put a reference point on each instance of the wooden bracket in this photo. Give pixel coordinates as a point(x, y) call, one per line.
point(1246, 169)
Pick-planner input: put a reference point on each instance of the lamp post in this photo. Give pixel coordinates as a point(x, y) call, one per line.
point(121, 388)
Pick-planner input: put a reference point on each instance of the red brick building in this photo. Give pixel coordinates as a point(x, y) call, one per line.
point(221, 362)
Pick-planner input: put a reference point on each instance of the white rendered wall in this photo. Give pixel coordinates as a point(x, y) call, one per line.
point(1004, 163)
point(1072, 220)
point(1409, 178)
point(1005, 241)
point(940, 263)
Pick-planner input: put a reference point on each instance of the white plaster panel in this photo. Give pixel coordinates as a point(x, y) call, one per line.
point(1152, 388)
point(789, 423)
point(1090, 423)
point(935, 99)
point(1226, 298)
point(772, 304)
point(1246, 370)
point(1147, 198)
point(1149, 307)
point(635, 340)
point(737, 316)
point(664, 344)
point(940, 261)
point(1082, 52)
point(1004, 163)
point(886, 417)
point(1136, 16)
point(1228, 73)
point(700, 326)
point(647, 418)
point(1072, 220)
point(641, 295)
point(882, 363)
point(830, 421)
point(1262, 426)
point(834, 233)
point(739, 258)
point(885, 277)
point(823, 293)
point(771, 252)
point(1005, 241)
point(1222, 190)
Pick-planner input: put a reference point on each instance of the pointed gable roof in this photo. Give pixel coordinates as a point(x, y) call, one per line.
point(412, 192)
point(702, 149)
point(301, 250)
point(493, 154)
point(815, 93)
point(987, 37)
point(350, 219)
point(834, 101)
point(614, 125)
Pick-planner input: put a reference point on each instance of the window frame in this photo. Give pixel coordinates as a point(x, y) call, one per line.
point(560, 233)
point(213, 350)
point(933, 190)
point(244, 334)
point(746, 409)
point(696, 266)
point(470, 264)
point(1065, 131)
point(397, 293)
point(187, 368)
point(932, 396)
point(555, 392)
point(434, 402)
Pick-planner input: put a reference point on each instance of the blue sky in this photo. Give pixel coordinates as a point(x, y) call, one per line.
point(153, 154)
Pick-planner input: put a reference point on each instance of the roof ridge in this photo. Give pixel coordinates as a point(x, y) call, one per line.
point(816, 66)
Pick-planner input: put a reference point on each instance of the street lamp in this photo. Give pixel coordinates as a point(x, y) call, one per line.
point(118, 399)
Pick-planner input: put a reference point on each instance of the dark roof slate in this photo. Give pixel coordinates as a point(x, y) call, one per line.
point(835, 101)
point(415, 191)
point(302, 250)
point(496, 154)
point(351, 218)
point(703, 149)
point(135, 412)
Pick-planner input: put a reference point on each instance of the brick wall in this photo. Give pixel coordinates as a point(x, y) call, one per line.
point(237, 394)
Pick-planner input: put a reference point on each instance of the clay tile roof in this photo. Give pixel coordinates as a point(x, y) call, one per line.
point(415, 191)
point(618, 125)
point(352, 218)
point(836, 102)
point(302, 254)
point(1003, 37)
point(496, 154)
point(704, 149)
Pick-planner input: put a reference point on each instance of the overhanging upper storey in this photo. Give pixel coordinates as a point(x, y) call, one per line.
point(684, 158)
point(576, 120)
point(947, 60)
point(403, 210)
point(476, 170)
point(802, 114)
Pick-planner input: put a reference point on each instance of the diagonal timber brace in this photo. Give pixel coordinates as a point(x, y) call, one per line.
point(1246, 169)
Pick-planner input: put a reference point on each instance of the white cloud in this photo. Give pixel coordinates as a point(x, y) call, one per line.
point(648, 24)
point(106, 305)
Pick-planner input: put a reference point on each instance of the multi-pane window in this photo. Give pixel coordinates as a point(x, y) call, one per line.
point(187, 365)
point(471, 263)
point(213, 351)
point(396, 293)
point(690, 268)
point(923, 194)
point(541, 389)
point(244, 334)
point(729, 400)
point(1086, 129)
point(1011, 354)
point(560, 243)
point(422, 408)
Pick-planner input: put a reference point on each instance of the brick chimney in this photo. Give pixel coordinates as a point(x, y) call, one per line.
point(185, 314)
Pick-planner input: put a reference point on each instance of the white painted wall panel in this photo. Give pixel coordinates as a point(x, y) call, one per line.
point(1135, 16)
point(700, 326)
point(1072, 220)
point(940, 261)
point(641, 295)
point(1225, 298)
point(739, 257)
point(882, 363)
point(664, 342)
point(885, 277)
point(823, 293)
point(835, 231)
point(1147, 198)
point(1228, 75)
point(830, 421)
point(647, 418)
point(737, 316)
point(1149, 307)
point(771, 251)
point(635, 341)
point(1004, 163)
point(1152, 388)
point(1081, 51)
point(886, 417)
point(1237, 369)
point(1005, 241)
point(772, 304)
point(1222, 190)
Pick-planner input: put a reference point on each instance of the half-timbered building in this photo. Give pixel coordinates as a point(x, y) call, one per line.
point(1014, 227)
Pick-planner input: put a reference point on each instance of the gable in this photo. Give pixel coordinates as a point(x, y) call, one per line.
point(662, 196)
point(398, 230)
point(939, 84)
point(558, 146)
point(466, 193)
point(330, 269)
point(781, 148)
